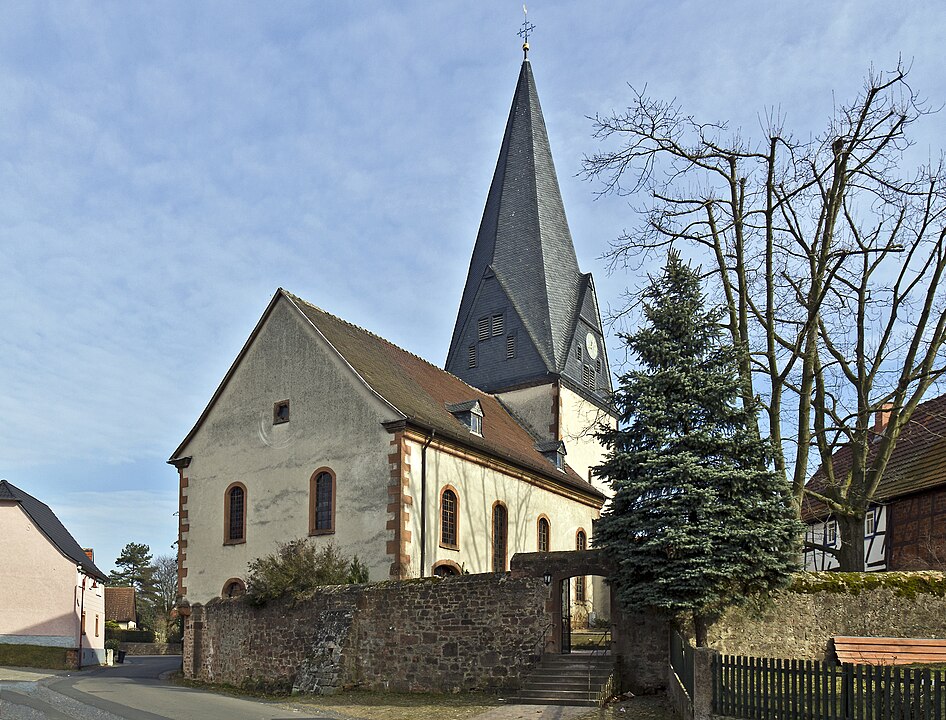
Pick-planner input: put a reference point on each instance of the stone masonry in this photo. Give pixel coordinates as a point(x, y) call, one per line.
point(800, 625)
point(485, 632)
point(432, 634)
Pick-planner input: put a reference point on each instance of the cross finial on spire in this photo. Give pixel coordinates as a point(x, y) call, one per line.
point(527, 27)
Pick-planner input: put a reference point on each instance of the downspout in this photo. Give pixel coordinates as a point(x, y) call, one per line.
point(423, 503)
point(81, 616)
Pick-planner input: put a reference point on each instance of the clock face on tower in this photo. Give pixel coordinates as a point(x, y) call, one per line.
point(591, 345)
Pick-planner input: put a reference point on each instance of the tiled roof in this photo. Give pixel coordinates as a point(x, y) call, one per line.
point(524, 237)
point(918, 461)
point(422, 392)
point(51, 527)
point(120, 604)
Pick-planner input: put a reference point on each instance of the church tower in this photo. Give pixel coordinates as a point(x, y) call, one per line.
point(528, 328)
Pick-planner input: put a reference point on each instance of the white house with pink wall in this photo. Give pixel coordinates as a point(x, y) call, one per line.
point(51, 593)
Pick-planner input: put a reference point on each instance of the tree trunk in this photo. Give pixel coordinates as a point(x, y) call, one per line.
point(700, 628)
point(851, 553)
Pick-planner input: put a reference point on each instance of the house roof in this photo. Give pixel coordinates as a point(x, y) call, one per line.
point(524, 237)
point(424, 394)
point(51, 527)
point(120, 604)
point(918, 461)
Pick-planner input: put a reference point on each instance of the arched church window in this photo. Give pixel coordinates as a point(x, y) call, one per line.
point(322, 502)
point(500, 534)
point(449, 515)
point(234, 514)
point(581, 543)
point(232, 588)
point(447, 568)
point(545, 535)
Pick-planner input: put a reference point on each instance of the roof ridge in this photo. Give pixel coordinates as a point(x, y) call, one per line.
point(386, 341)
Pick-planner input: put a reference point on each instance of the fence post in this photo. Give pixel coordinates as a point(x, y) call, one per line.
point(703, 683)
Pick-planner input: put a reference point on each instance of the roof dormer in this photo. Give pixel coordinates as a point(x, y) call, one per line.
point(470, 413)
point(554, 451)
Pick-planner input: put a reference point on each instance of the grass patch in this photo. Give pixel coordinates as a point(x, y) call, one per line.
point(34, 656)
point(591, 639)
point(372, 705)
point(247, 690)
point(368, 705)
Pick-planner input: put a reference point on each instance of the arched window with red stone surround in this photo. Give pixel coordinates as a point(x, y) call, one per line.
point(449, 518)
point(322, 502)
point(544, 533)
point(234, 514)
point(500, 536)
point(581, 543)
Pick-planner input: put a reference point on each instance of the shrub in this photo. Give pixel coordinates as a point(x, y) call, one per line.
point(112, 644)
point(35, 656)
point(134, 636)
point(357, 572)
point(296, 569)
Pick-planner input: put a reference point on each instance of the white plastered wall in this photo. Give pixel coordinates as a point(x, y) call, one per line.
point(90, 600)
point(37, 595)
point(50, 616)
point(478, 488)
point(579, 422)
point(335, 422)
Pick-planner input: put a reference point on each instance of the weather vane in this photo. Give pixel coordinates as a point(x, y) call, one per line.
point(527, 27)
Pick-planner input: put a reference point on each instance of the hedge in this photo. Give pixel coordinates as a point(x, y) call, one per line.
point(130, 636)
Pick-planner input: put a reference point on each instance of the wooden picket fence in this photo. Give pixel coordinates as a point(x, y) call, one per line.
point(771, 689)
point(681, 660)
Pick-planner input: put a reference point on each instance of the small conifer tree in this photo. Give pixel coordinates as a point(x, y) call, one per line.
point(698, 522)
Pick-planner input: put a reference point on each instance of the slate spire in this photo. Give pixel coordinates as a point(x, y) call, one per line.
point(523, 266)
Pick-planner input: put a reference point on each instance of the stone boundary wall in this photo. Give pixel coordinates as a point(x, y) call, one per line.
point(431, 634)
point(800, 625)
point(642, 641)
point(155, 648)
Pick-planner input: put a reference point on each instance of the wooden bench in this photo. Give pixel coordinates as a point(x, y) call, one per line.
point(890, 651)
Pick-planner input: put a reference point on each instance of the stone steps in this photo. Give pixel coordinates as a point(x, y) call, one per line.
point(574, 679)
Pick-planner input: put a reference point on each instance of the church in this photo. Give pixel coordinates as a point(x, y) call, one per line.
point(325, 430)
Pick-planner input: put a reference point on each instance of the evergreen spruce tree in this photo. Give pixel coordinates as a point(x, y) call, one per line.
point(135, 569)
point(698, 522)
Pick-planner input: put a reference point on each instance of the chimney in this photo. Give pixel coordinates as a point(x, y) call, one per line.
point(90, 553)
point(881, 417)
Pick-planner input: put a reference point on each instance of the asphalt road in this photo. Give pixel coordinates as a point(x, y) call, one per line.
point(133, 691)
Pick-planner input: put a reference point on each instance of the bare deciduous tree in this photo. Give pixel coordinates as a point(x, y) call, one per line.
point(165, 580)
point(829, 262)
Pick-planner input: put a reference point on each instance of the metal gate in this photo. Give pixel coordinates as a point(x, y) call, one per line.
point(566, 616)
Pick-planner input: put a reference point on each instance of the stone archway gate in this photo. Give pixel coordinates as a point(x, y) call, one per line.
point(558, 568)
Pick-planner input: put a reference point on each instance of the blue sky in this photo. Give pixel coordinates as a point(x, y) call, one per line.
point(165, 167)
